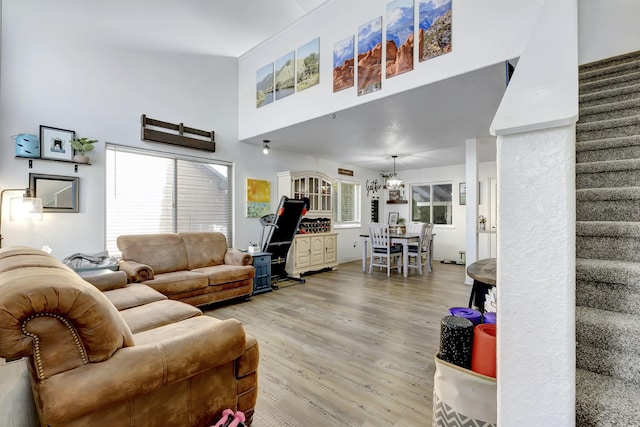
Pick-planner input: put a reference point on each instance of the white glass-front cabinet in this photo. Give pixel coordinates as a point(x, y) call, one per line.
point(317, 187)
point(317, 248)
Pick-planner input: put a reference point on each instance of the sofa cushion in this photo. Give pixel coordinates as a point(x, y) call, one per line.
point(133, 295)
point(178, 281)
point(204, 248)
point(158, 313)
point(163, 252)
point(227, 273)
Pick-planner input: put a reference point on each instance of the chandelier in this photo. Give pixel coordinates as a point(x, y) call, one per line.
point(394, 182)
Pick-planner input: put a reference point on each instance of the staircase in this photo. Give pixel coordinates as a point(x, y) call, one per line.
point(608, 244)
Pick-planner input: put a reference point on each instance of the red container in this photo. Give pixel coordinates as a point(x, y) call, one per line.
point(483, 353)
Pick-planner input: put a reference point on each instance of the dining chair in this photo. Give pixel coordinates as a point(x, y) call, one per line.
point(415, 254)
point(420, 253)
point(382, 249)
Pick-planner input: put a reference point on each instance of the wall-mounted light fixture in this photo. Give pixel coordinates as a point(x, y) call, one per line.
point(20, 208)
point(266, 146)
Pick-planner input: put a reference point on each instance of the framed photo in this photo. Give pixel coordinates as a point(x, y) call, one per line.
point(393, 218)
point(55, 144)
point(463, 193)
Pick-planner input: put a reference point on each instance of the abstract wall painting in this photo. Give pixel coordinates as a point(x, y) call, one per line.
point(343, 66)
point(258, 198)
point(370, 56)
point(434, 34)
point(400, 36)
point(264, 86)
point(285, 75)
point(308, 65)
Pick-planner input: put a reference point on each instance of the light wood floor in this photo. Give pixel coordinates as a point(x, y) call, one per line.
point(347, 348)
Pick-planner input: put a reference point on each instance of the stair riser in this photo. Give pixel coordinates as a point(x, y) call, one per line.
point(608, 296)
point(610, 83)
point(618, 153)
point(628, 111)
point(610, 62)
point(607, 132)
point(623, 178)
point(620, 70)
point(606, 210)
point(610, 248)
point(618, 364)
point(606, 98)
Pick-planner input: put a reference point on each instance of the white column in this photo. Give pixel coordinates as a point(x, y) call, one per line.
point(536, 278)
point(471, 236)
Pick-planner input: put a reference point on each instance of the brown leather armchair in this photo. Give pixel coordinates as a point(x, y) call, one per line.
point(147, 361)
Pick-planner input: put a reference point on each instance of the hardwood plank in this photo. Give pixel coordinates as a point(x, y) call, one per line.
point(349, 348)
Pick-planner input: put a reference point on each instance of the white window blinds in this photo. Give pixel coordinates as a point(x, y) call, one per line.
point(159, 193)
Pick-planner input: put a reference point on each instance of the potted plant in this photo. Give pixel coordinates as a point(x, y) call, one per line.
point(483, 222)
point(82, 146)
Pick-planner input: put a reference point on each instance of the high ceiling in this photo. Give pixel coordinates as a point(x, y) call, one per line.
point(424, 127)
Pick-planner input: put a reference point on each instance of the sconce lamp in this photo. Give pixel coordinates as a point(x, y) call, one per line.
point(25, 207)
point(266, 146)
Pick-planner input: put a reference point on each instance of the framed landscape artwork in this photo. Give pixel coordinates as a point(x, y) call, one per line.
point(343, 53)
point(264, 86)
point(370, 57)
point(434, 29)
point(399, 52)
point(285, 75)
point(308, 65)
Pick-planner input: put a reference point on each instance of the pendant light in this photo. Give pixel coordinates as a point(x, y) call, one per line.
point(394, 182)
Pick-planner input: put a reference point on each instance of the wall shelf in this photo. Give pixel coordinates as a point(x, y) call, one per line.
point(31, 159)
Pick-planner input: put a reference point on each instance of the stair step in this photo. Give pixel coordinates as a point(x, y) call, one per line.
point(609, 128)
point(623, 148)
point(623, 80)
point(604, 111)
point(608, 204)
point(608, 271)
point(608, 240)
point(624, 365)
point(608, 296)
point(609, 71)
point(610, 173)
point(604, 64)
point(609, 95)
point(604, 401)
point(607, 329)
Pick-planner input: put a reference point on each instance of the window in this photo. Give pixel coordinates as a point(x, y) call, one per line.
point(346, 203)
point(432, 203)
point(162, 193)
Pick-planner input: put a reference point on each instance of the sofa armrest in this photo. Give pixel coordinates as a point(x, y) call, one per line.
point(236, 257)
point(136, 272)
point(105, 279)
point(133, 371)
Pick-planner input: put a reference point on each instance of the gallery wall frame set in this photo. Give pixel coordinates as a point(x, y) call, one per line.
point(432, 38)
point(293, 72)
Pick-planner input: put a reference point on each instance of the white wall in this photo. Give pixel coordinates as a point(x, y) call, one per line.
point(607, 28)
point(53, 78)
point(450, 239)
point(485, 32)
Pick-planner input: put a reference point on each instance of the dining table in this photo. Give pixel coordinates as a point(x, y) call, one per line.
point(403, 238)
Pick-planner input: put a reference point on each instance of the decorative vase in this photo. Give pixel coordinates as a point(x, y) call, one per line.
point(81, 158)
point(481, 228)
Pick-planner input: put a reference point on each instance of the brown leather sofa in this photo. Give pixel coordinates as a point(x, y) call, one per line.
point(115, 354)
point(196, 268)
